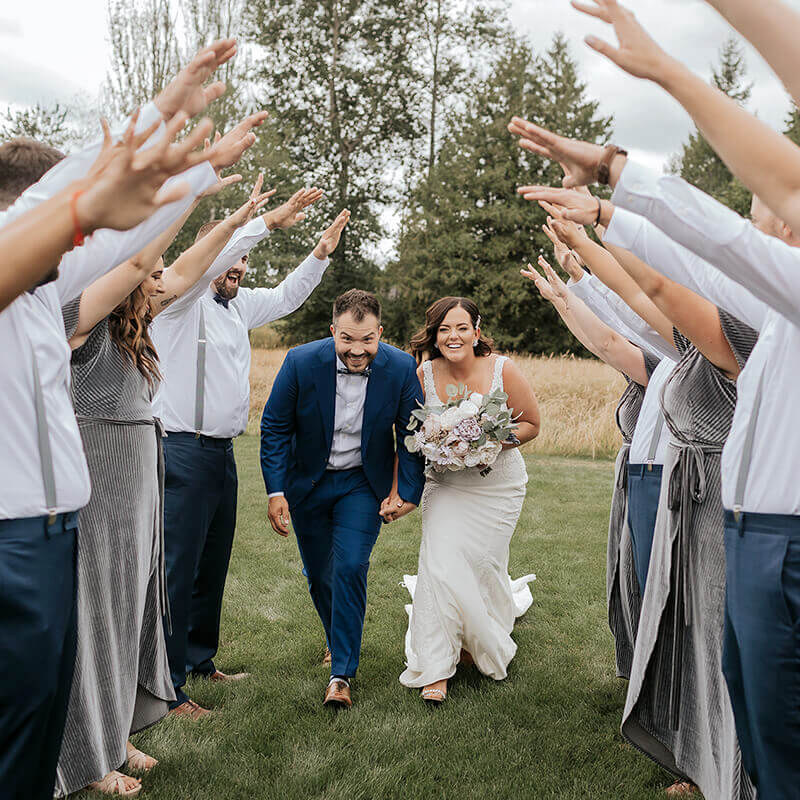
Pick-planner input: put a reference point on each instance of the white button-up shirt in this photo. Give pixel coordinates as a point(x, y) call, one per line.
point(227, 368)
point(649, 417)
point(348, 420)
point(32, 328)
point(763, 269)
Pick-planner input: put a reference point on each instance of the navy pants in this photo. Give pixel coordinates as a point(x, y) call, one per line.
point(761, 654)
point(644, 488)
point(199, 521)
point(37, 650)
point(337, 526)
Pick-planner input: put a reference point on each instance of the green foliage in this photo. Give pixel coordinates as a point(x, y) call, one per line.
point(47, 124)
point(465, 230)
point(698, 163)
point(792, 129)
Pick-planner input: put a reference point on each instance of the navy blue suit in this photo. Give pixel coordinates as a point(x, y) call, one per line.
point(335, 513)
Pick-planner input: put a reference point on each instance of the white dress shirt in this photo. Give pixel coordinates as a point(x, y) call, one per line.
point(227, 371)
point(761, 267)
point(616, 313)
point(31, 328)
point(351, 392)
point(650, 416)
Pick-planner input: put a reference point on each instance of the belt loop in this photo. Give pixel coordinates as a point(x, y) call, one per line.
point(738, 518)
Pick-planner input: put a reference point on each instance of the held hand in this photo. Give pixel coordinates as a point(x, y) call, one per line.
point(125, 185)
point(228, 149)
point(394, 507)
point(185, 92)
point(578, 159)
point(330, 238)
point(291, 212)
point(221, 183)
point(254, 204)
point(279, 515)
point(637, 53)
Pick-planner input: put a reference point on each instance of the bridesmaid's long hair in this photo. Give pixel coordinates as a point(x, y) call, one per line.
point(129, 325)
point(423, 343)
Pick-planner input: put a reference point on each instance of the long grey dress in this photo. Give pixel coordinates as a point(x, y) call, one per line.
point(622, 587)
point(122, 681)
point(677, 710)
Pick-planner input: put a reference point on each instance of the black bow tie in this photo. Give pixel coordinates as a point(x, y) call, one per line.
point(223, 301)
point(366, 373)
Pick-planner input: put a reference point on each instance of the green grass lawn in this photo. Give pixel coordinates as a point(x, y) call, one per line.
point(551, 730)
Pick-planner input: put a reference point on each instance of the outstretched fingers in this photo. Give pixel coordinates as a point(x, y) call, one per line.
point(598, 9)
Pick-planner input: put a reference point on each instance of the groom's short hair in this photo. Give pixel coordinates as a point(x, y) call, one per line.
point(359, 303)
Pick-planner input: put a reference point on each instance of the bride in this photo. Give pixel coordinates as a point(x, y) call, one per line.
point(463, 601)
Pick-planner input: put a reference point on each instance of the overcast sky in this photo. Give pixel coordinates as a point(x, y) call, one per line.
point(53, 50)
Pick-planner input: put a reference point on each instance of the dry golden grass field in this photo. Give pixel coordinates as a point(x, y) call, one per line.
point(577, 398)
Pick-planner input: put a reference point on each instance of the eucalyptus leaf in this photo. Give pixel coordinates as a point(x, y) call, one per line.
point(452, 390)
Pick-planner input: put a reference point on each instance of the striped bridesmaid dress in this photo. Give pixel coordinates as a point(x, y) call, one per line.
point(677, 710)
point(122, 682)
point(622, 586)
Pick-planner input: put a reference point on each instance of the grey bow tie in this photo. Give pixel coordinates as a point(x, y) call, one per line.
point(366, 373)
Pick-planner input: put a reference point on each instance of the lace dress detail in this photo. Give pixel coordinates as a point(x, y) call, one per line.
point(463, 596)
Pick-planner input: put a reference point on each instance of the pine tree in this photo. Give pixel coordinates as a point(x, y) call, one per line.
point(698, 163)
point(466, 232)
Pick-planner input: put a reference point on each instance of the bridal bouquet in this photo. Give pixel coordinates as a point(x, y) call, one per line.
point(468, 431)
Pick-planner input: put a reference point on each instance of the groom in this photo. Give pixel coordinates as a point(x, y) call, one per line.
point(328, 455)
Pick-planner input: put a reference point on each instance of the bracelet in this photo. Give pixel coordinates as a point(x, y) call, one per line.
point(599, 212)
point(78, 237)
point(604, 167)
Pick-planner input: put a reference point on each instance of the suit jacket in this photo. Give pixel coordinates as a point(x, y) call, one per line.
point(298, 419)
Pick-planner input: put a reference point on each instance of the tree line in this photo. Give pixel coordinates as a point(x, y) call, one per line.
point(398, 109)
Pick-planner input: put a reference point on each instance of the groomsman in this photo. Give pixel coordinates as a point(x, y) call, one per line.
point(44, 478)
point(204, 399)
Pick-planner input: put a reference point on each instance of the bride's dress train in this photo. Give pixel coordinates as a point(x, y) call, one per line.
point(463, 596)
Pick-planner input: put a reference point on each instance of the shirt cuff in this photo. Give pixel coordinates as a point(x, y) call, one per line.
point(623, 229)
point(635, 186)
point(275, 494)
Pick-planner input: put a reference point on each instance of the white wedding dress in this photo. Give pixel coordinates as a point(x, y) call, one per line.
point(463, 596)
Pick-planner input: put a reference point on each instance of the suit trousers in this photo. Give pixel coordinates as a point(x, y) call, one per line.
point(200, 493)
point(38, 563)
point(761, 653)
point(644, 488)
point(337, 526)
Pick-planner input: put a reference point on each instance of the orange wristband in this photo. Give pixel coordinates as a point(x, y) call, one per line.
point(78, 237)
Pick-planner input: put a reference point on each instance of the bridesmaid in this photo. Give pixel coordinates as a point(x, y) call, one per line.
point(122, 681)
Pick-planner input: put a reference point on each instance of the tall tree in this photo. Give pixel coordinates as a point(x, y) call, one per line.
point(466, 232)
point(697, 162)
point(49, 124)
point(337, 76)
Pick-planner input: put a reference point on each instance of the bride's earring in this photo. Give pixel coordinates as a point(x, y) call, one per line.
point(475, 343)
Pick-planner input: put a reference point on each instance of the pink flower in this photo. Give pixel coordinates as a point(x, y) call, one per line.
point(468, 430)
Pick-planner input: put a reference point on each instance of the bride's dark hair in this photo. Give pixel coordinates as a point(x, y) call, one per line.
point(424, 341)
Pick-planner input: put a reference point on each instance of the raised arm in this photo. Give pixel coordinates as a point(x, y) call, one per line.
point(773, 28)
point(764, 160)
point(597, 337)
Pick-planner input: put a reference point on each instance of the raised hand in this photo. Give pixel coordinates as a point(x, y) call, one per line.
point(291, 212)
point(185, 92)
point(330, 238)
point(554, 279)
point(545, 289)
point(124, 187)
point(254, 204)
point(566, 259)
point(580, 160)
point(221, 183)
point(228, 149)
point(575, 205)
point(637, 53)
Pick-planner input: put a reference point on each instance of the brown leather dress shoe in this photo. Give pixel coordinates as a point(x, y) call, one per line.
point(338, 694)
point(326, 661)
point(221, 677)
point(190, 709)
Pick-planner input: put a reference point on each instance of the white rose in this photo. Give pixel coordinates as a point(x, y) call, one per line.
point(476, 398)
point(468, 408)
point(451, 417)
point(432, 426)
point(472, 459)
point(461, 448)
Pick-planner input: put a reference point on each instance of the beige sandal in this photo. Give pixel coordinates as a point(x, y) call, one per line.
point(114, 783)
point(682, 789)
point(139, 761)
point(437, 696)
